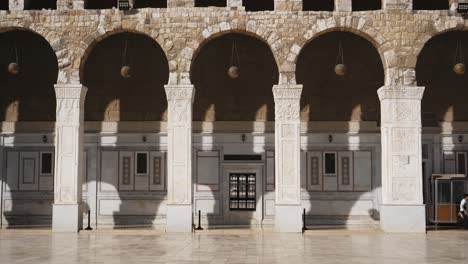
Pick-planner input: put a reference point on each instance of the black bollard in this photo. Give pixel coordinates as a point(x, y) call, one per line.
point(199, 221)
point(89, 221)
point(304, 228)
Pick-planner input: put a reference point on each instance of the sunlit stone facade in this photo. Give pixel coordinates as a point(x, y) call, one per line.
point(177, 136)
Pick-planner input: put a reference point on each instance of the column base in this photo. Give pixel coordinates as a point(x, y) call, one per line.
point(288, 218)
point(403, 218)
point(179, 218)
point(67, 218)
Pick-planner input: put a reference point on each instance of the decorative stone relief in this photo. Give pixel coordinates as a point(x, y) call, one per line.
point(401, 144)
point(69, 142)
point(287, 139)
point(179, 128)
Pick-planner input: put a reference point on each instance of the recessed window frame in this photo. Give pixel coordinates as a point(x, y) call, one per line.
point(41, 172)
point(464, 162)
point(324, 163)
point(137, 161)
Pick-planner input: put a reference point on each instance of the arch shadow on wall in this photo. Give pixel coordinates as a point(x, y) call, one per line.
point(118, 103)
point(348, 109)
point(232, 106)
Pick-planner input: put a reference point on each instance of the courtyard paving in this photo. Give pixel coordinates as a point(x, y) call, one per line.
point(27, 246)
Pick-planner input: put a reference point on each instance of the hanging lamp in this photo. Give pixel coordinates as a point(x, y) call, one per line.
point(234, 70)
point(340, 66)
point(125, 70)
point(459, 66)
point(13, 66)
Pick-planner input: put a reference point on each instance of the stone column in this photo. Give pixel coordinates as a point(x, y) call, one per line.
point(344, 5)
point(397, 4)
point(67, 214)
point(180, 3)
point(288, 211)
point(288, 5)
point(402, 207)
point(179, 158)
point(16, 5)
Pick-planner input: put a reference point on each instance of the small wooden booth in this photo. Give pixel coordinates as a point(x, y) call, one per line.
point(448, 191)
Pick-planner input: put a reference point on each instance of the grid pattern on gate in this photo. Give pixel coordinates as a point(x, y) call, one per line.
point(242, 191)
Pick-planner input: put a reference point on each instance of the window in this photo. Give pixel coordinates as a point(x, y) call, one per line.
point(318, 5)
point(207, 3)
point(330, 163)
point(100, 4)
point(4, 5)
point(259, 5)
point(47, 163)
point(141, 163)
point(461, 163)
point(363, 5)
point(430, 4)
point(242, 191)
point(40, 4)
point(150, 3)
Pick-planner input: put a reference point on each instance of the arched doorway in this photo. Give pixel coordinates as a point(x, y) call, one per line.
point(234, 132)
point(126, 109)
point(340, 110)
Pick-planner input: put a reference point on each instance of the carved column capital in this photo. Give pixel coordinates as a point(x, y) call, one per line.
point(70, 103)
point(287, 102)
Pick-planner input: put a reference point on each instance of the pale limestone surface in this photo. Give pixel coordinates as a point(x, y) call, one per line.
point(321, 247)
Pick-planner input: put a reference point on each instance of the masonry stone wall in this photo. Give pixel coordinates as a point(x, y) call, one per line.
point(398, 35)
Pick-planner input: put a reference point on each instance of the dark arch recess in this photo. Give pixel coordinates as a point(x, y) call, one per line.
point(220, 98)
point(445, 92)
point(114, 98)
point(328, 97)
point(33, 87)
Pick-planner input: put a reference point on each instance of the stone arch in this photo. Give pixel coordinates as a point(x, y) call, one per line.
point(251, 28)
point(92, 40)
point(328, 97)
point(112, 97)
point(28, 95)
point(355, 25)
point(440, 27)
point(246, 98)
point(57, 43)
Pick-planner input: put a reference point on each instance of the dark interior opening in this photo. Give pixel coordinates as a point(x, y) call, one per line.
point(4, 5)
point(100, 4)
point(111, 96)
point(28, 95)
point(259, 5)
point(445, 91)
point(40, 4)
point(318, 5)
point(364, 5)
point(150, 3)
point(207, 3)
point(430, 4)
point(222, 98)
point(329, 97)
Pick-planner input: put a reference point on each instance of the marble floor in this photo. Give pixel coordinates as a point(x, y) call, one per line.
point(447, 247)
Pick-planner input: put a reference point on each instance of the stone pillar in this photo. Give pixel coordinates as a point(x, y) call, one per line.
point(180, 3)
point(288, 5)
point(402, 207)
point(344, 5)
point(16, 5)
point(179, 158)
point(288, 211)
point(67, 214)
point(397, 4)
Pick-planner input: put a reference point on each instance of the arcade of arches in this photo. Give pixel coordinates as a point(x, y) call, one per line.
point(248, 121)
